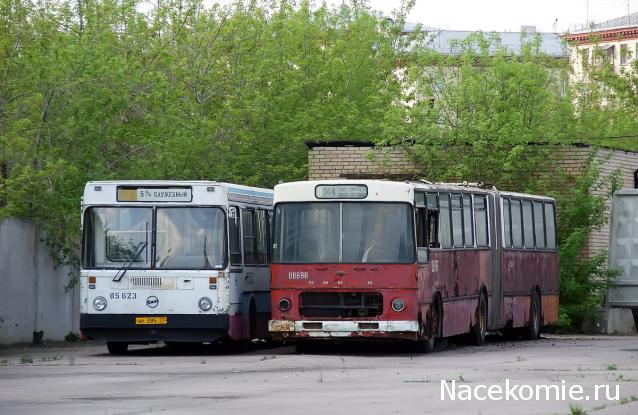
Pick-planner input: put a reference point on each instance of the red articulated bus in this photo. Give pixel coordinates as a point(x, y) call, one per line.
point(376, 259)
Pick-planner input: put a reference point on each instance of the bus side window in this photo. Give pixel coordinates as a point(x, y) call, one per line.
point(261, 236)
point(550, 225)
point(457, 221)
point(233, 228)
point(421, 227)
point(539, 225)
point(528, 225)
point(468, 228)
point(248, 228)
point(421, 234)
point(507, 223)
point(445, 226)
point(517, 225)
point(480, 220)
point(432, 220)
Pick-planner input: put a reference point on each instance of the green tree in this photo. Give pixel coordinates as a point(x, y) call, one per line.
point(113, 89)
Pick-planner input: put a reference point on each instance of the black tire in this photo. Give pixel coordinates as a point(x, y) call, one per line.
point(428, 336)
point(424, 345)
point(478, 332)
point(183, 346)
point(533, 330)
point(303, 347)
point(252, 321)
point(117, 347)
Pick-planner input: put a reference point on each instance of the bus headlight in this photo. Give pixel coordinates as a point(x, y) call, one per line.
point(398, 304)
point(99, 303)
point(284, 305)
point(205, 303)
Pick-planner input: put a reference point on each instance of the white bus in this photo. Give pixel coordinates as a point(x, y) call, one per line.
point(174, 261)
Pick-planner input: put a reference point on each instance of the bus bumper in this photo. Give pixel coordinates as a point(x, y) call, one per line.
point(304, 329)
point(178, 327)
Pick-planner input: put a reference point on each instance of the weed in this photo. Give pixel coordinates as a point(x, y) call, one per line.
point(576, 409)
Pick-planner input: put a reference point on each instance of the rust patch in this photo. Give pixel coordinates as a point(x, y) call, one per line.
point(282, 325)
point(550, 308)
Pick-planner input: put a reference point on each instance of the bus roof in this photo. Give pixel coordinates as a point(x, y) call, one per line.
point(380, 190)
point(377, 190)
point(197, 192)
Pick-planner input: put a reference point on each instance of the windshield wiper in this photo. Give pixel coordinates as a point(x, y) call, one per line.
point(163, 261)
point(118, 277)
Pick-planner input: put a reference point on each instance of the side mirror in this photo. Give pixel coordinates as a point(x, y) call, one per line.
point(423, 255)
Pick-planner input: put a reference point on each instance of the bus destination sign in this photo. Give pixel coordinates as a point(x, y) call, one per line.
point(341, 191)
point(154, 194)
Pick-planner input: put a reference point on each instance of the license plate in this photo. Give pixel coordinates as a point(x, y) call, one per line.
point(151, 320)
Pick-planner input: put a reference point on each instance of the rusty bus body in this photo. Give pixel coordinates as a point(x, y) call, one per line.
point(389, 260)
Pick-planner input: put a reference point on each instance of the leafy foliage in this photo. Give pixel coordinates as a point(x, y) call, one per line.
point(101, 90)
point(488, 106)
point(485, 115)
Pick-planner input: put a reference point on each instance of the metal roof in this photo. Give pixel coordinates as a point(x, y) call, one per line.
point(551, 43)
point(630, 20)
point(443, 41)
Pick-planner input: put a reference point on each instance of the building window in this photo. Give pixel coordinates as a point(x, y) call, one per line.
point(584, 56)
point(624, 54)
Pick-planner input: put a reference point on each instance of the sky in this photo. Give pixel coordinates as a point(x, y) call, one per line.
point(503, 15)
point(508, 15)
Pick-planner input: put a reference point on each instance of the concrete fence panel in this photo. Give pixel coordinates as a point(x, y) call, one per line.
point(32, 294)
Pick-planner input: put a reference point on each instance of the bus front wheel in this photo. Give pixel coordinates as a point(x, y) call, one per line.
point(117, 347)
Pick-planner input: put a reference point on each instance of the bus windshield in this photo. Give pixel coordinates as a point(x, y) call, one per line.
point(190, 238)
point(185, 237)
point(336, 232)
point(114, 235)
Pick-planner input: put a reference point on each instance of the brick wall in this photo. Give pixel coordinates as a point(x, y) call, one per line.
point(325, 162)
point(352, 162)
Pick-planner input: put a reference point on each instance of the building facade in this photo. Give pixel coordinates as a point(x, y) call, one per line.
point(614, 41)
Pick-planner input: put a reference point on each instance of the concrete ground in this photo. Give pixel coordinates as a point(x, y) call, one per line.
point(359, 379)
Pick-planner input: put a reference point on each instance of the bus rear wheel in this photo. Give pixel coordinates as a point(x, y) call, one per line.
point(479, 330)
point(533, 331)
point(117, 347)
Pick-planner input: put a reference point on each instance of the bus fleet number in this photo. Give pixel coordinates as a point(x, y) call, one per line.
point(123, 296)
